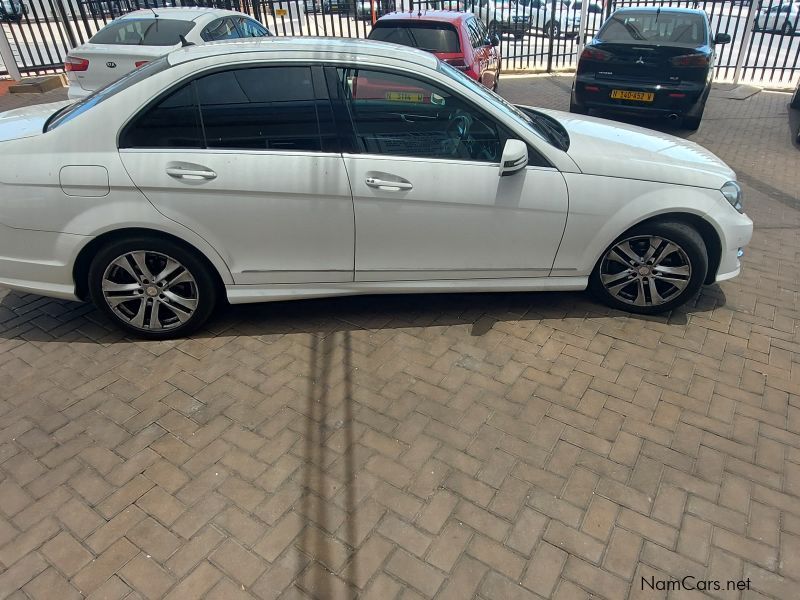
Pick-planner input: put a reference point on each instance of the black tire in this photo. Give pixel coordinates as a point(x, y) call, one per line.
point(493, 29)
point(519, 35)
point(577, 109)
point(692, 123)
point(787, 29)
point(555, 27)
point(795, 101)
point(694, 254)
point(203, 291)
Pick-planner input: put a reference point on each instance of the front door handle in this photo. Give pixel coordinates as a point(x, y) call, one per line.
point(390, 186)
point(179, 173)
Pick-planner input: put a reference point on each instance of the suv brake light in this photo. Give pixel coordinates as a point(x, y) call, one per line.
point(140, 63)
point(595, 54)
point(689, 60)
point(73, 63)
point(458, 63)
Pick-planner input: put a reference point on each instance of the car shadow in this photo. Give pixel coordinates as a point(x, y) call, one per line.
point(32, 317)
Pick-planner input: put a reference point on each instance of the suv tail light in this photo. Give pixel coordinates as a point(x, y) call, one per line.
point(595, 54)
point(689, 60)
point(140, 63)
point(73, 63)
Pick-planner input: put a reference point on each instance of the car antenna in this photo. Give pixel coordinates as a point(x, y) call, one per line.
point(155, 14)
point(184, 43)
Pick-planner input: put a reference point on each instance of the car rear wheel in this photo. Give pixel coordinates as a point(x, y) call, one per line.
point(153, 288)
point(795, 101)
point(652, 268)
point(787, 29)
point(578, 109)
point(554, 27)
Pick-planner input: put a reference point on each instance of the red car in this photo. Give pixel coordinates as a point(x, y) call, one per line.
point(458, 38)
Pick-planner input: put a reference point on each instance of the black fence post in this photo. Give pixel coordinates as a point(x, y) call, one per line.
point(550, 36)
point(65, 20)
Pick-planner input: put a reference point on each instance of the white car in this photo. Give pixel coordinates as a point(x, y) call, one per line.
point(143, 35)
point(778, 16)
point(499, 16)
point(298, 168)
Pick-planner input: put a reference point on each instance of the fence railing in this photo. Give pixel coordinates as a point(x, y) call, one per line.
point(543, 35)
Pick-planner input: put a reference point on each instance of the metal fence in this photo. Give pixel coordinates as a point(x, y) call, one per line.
point(543, 35)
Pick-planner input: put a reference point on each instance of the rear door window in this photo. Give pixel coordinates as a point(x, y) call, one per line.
point(250, 28)
point(433, 37)
point(143, 32)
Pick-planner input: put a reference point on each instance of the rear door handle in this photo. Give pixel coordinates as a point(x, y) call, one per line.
point(179, 173)
point(389, 186)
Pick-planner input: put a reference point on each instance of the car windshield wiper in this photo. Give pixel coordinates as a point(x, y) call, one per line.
point(633, 31)
point(554, 135)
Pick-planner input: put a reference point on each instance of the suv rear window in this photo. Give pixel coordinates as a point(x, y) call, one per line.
point(143, 32)
point(433, 37)
point(678, 29)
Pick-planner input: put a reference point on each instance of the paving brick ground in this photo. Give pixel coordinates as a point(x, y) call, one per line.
point(502, 446)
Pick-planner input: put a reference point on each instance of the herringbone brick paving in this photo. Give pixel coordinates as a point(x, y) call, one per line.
point(497, 446)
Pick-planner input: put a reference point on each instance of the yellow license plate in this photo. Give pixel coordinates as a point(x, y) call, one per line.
point(405, 97)
point(281, 12)
point(628, 95)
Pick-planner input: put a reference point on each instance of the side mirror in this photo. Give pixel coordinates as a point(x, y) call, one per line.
point(722, 38)
point(515, 157)
point(495, 40)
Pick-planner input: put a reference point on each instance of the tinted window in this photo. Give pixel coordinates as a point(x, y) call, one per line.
point(681, 29)
point(104, 93)
point(173, 122)
point(397, 115)
point(270, 108)
point(143, 32)
point(251, 28)
point(221, 29)
point(433, 37)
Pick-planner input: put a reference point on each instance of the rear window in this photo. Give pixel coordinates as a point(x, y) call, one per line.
point(433, 37)
point(71, 111)
point(678, 29)
point(143, 32)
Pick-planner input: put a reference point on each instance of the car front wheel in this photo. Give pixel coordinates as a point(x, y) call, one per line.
point(153, 288)
point(652, 268)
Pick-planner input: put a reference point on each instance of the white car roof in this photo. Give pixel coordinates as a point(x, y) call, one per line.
point(331, 48)
point(188, 13)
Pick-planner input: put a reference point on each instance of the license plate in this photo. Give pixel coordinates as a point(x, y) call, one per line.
point(636, 96)
point(281, 12)
point(405, 97)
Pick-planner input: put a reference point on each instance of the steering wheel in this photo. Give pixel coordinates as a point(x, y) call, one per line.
point(457, 132)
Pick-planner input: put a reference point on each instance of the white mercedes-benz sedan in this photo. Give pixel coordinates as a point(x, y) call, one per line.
point(296, 168)
point(138, 37)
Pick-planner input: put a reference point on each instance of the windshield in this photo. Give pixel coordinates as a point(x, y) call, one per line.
point(143, 32)
point(542, 126)
point(657, 27)
point(71, 111)
point(432, 37)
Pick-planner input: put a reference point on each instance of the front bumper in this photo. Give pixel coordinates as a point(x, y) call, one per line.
point(39, 262)
point(738, 229)
point(682, 98)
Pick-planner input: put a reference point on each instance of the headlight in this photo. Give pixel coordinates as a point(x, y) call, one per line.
point(733, 194)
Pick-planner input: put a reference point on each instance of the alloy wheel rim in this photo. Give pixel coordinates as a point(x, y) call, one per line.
point(150, 290)
point(645, 271)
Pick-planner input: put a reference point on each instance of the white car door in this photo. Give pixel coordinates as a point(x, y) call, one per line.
point(429, 202)
point(248, 158)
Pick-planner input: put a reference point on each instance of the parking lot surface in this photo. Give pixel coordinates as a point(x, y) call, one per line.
point(499, 446)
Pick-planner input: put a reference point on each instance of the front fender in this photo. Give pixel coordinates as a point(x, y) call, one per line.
point(603, 208)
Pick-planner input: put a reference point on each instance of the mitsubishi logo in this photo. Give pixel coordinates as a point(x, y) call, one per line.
point(640, 61)
point(111, 64)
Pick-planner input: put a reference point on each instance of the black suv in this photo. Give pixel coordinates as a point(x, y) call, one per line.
point(649, 60)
